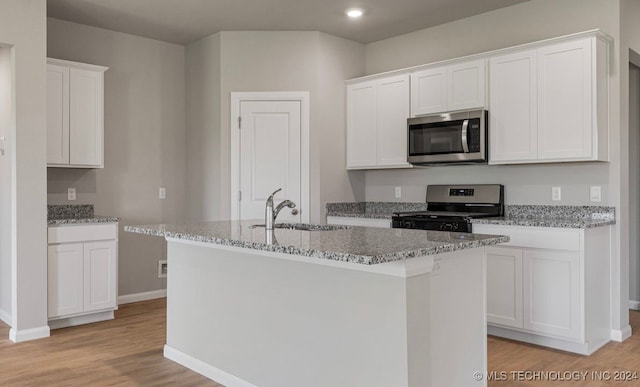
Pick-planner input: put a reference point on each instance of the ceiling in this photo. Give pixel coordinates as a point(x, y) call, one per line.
point(185, 21)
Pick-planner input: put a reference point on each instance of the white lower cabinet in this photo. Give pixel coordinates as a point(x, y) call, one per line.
point(364, 222)
point(504, 286)
point(82, 273)
point(550, 286)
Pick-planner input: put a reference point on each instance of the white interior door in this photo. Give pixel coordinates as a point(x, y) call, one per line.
point(270, 157)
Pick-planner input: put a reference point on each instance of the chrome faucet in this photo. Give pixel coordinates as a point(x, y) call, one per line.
point(270, 213)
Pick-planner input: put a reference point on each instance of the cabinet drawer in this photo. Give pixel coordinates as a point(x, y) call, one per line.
point(534, 237)
point(75, 233)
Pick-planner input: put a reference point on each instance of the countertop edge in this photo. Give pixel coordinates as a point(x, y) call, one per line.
point(335, 256)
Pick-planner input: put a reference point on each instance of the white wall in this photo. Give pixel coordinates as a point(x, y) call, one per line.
point(145, 141)
point(522, 23)
point(23, 27)
point(6, 131)
point(270, 61)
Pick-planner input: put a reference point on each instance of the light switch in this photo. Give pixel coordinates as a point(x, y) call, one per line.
point(556, 193)
point(3, 145)
point(595, 193)
point(71, 194)
point(162, 193)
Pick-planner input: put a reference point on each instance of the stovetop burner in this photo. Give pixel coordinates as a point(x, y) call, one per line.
point(451, 208)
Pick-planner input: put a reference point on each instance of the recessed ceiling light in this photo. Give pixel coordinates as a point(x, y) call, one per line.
point(354, 13)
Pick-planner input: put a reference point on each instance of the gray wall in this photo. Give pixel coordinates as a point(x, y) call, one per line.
point(270, 61)
point(634, 183)
point(203, 129)
point(144, 147)
point(23, 28)
point(6, 123)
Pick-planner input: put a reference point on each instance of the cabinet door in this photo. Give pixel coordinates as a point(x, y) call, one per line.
point(361, 125)
point(429, 91)
point(565, 126)
point(466, 85)
point(57, 114)
point(552, 293)
point(393, 111)
point(86, 118)
point(504, 286)
point(64, 274)
point(100, 261)
point(513, 108)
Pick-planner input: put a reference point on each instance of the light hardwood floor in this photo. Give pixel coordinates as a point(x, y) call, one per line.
point(127, 351)
point(610, 361)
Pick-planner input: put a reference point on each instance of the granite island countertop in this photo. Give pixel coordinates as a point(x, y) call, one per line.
point(60, 214)
point(362, 245)
point(553, 216)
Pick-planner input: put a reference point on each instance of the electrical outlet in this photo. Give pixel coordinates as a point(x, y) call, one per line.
point(398, 192)
point(595, 193)
point(71, 194)
point(162, 193)
point(556, 193)
point(162, 268)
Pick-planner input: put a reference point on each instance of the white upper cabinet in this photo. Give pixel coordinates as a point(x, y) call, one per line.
point(377, 112)
point(550, 104)
point(429, 91)
point(460, 86)
point(75, 114)
point(565, 101)
point(513, 107)
point(466, 85)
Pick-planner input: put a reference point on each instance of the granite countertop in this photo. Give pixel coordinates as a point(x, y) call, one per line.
point(363, 245)
point(372, 210)
point(553, 216)
point(59, 214)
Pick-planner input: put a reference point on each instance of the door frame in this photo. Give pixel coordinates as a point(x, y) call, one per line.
point(298, 96)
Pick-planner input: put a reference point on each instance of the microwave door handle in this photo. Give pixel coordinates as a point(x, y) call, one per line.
point(465, 142)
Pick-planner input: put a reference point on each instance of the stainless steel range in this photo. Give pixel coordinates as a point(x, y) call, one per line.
point(451, 207)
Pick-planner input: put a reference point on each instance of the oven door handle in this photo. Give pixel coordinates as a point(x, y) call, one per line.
point(465, 142)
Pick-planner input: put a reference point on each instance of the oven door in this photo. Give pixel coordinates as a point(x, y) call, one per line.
point(447, 138)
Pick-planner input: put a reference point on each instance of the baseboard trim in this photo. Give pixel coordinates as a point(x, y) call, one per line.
point(622, 334)
point(80, 320)
point(211, 372)
point(137, 297)
point(6, 317)
point(19, 336)
point(635, 305)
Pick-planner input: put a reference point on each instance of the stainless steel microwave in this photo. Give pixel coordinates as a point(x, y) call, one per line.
point(459, 137)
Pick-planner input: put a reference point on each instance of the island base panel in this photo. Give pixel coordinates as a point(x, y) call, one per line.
point(245, 317)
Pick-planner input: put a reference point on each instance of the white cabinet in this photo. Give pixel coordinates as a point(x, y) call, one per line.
point(550, 286)
point(549, 104)
point(513, 107)
point(504, 286)
point(377, 112)
point(551, 291)
point(459, 86)
point(82, 273)
point(364, 222)
point(75, 114)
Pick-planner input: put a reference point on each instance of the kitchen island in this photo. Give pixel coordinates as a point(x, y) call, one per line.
point(351, 306)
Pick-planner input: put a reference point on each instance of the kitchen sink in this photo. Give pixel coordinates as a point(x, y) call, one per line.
point(306, 226)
